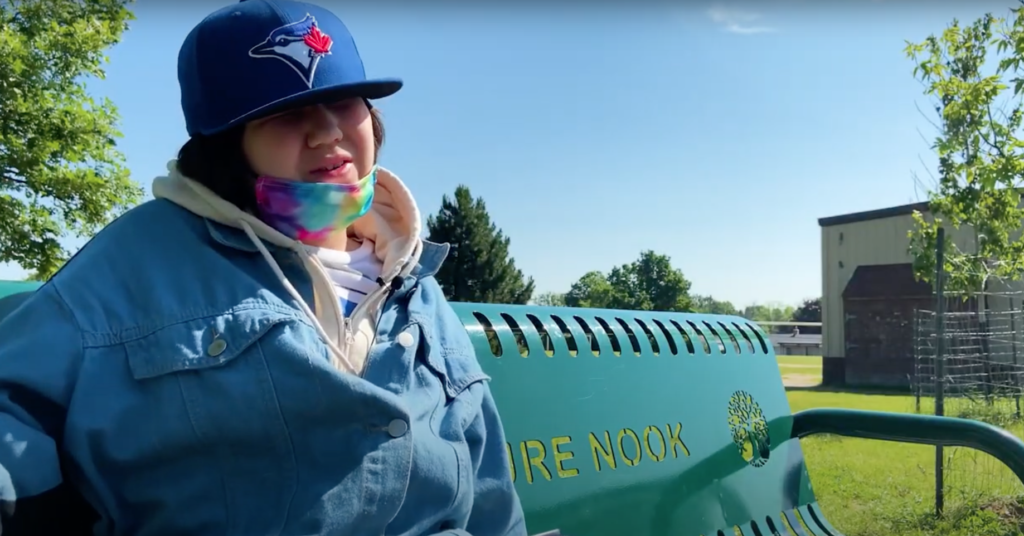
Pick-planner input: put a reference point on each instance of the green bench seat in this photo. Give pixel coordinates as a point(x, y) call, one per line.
point(630, 423)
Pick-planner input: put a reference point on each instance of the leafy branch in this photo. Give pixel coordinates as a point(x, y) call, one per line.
point(981, 156)
point(61, 172)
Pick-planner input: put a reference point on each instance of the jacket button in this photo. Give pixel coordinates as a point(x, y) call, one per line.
point(406, 339)
point(216, 348)
point(397, 428)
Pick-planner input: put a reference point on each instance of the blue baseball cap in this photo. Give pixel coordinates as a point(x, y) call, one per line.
point(260, 57)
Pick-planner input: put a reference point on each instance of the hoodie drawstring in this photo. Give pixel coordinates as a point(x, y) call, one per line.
point(295, 294)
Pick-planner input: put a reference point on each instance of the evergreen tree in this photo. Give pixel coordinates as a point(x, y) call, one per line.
point(479, 268)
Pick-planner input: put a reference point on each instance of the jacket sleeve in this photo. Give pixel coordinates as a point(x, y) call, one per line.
point(40, 348)
point(496, 507)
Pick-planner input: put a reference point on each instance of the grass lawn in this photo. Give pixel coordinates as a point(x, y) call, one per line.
point(880, 488)
point(798, 367)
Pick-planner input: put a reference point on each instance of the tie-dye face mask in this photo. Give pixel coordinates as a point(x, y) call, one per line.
point(313, 211)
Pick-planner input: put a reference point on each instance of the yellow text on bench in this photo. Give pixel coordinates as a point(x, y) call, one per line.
point(651, 443)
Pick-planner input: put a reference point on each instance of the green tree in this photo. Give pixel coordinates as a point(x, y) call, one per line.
point(478, 268)
point(772, 312)
point(967, 70)
point(592, 291)
point(974, 75)
point(711, 306)
point(550, 299)
point(60, 171)
point(649, 283)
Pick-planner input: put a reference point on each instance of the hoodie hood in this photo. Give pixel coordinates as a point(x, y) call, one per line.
point(392, 224)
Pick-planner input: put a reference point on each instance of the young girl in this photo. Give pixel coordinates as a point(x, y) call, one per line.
point(262, 349)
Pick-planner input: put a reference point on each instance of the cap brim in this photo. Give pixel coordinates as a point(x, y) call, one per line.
point(370, 89)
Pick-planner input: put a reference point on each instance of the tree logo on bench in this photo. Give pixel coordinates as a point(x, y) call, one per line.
point(749, 428)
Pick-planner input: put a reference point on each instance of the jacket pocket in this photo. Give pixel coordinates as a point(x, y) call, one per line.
point(451, 358)
point(213, 374)
point(201, 343)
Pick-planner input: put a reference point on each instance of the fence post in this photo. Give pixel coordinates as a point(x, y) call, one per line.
point(1016, 365)
point(940, 372)
point(917, 361)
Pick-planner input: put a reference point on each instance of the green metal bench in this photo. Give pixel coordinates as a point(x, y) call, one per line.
point(12, 293)
point(627, 423)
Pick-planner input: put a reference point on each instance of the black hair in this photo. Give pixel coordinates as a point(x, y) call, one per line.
point(218, 162)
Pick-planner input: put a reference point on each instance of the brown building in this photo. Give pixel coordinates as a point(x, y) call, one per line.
point(869, 296)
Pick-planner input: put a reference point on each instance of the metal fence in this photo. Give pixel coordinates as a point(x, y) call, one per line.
point(982, 357)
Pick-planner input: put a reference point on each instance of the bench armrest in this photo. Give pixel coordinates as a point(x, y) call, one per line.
point(912, 428)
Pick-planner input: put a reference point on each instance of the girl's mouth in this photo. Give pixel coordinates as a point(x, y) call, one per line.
point(332, 172)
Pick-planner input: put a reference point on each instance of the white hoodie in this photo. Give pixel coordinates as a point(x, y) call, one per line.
point(392, 224)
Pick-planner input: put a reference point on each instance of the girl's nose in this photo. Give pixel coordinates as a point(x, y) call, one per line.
point(325, 127)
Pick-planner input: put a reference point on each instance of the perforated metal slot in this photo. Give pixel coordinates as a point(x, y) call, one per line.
point(668, 337)
point(753, 529)
point(612, 338)
point(542, 331)
point(773, 527)
point(655, 347)
point(595, 346)
point(517, 333)
point(686, 336)
point(757, 333)
point(700, 335)
point(631, 335)
point(719, 343)
point(750, 344)
point(732, 338)
point(570, 341)
point(821, 525)
point(796, 523)
point(492, 336)
point(715, 336)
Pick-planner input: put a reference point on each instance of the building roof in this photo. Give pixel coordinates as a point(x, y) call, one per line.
point(885, 281)
point(869, 215)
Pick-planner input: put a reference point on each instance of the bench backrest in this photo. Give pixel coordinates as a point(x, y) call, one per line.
point(16, 287)
point(14, 293)
point(641, 423)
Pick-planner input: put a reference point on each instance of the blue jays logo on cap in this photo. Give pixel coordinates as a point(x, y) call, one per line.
point(299, 44)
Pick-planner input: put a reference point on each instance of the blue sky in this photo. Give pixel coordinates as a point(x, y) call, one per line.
point(714, 133)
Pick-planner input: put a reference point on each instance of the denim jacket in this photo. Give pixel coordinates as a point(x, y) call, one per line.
point(169, 376)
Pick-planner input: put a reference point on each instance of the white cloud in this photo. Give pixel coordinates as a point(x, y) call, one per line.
point(737, 20)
